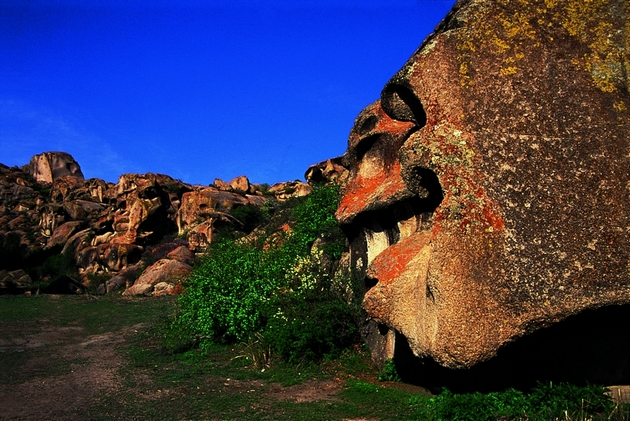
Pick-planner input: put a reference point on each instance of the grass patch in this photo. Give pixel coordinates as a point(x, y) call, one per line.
point(96, 314)
point(220, 382)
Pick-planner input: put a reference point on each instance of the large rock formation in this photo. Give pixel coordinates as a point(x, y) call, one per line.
point(53, 222)
point(205, 210)
point(489, 192)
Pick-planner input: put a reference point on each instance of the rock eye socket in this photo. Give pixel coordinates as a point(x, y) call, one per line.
point(365, 146)
point(400, 103)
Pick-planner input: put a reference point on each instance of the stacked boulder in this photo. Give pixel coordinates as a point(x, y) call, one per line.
point(140, 234)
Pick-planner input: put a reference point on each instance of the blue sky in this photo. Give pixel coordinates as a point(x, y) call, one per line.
point(197, 89)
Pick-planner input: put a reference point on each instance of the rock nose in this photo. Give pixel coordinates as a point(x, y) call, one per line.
point(372, 159)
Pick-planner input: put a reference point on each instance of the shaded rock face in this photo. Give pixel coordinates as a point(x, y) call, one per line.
point(489, 188)
point(50, 166)
point(15, 282)
point(64, 285)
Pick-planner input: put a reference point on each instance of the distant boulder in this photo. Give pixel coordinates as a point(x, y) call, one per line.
point(289, 189)
point(163, 271)
point(50, 166)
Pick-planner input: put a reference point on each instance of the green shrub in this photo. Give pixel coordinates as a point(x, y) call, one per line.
point(315, 218)
point(310, 321)
point(545, 402)
point(54, 266)
point(279, 287)
point(250, 216)
point(225, 293)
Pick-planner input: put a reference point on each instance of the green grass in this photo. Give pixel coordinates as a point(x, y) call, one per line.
point(96, 314)
point(219, 382)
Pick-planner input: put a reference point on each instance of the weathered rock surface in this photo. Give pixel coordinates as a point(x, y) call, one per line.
point(329, 171)
point(51, 218)
point(163, 271)
point(286, 190)
point(205, 210)
point(489, 186)
point(181, 254)
point(51, 166)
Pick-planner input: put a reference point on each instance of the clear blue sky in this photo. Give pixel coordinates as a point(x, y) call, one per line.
point(197, 89)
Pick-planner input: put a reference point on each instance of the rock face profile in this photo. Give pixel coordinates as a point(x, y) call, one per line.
point(488, 196)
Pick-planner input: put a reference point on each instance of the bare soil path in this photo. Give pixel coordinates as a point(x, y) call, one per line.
point(81, 358)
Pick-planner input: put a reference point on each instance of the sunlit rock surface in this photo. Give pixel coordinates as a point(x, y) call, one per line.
point(51, 218)
point(489, 186)
point(50, 166)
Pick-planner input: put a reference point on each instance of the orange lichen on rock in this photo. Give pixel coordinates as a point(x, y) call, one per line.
point(381, 187)
point(391, 263)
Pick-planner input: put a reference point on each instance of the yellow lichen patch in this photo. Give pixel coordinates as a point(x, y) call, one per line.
point(507, 71)
point(591, 22)
point(620, 106)
point(496, 33)
point(501, 45)
point(550, 4)
point(465, 79)
point(603, 26)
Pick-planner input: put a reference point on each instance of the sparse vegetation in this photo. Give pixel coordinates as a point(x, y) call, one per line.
point(125, 338)
point(544, 402)
point(389, 373)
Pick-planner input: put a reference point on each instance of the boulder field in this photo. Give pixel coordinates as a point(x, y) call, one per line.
point(139, 235)
point(488, 195)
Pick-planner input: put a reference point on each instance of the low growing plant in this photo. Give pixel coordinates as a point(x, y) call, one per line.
point(389, 373)
point(544, 402)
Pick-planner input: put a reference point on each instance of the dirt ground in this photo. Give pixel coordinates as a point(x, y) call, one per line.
point(59, 372)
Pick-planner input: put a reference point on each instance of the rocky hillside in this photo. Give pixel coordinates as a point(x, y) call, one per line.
point(60, 232)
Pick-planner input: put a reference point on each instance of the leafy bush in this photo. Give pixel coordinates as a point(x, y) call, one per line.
point(315, 218)
point(250, 216)
point(545, 402)
point(311, 320)
point(281, 286)
point(225, 293)
point(54, 266)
